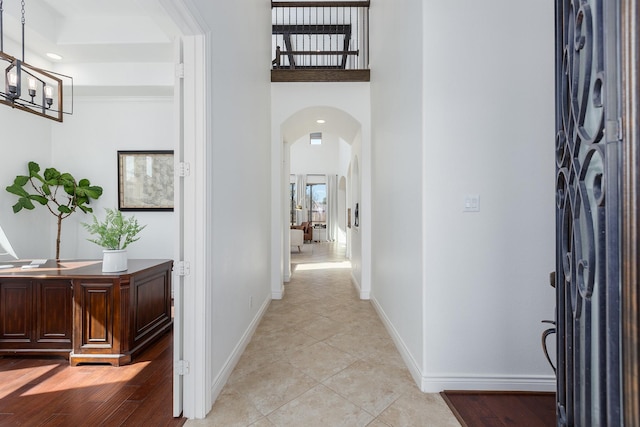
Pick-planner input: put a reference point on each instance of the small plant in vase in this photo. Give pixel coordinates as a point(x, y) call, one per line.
point(114, 234)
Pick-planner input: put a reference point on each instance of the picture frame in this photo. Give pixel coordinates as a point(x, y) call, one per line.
point(356, 219)
point(145, 180)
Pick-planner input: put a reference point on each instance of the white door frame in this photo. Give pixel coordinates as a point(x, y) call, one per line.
point(194, 226)
point(195, 230)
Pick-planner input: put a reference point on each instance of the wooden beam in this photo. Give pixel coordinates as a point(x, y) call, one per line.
point(319, 75)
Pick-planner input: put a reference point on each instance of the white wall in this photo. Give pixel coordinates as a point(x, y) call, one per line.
point(484, 94)
point(25, 137)
point(86, 145)
point(317, 159)
point(507, 250)
point(397, 187)
point(240, 152)
point(355, 234)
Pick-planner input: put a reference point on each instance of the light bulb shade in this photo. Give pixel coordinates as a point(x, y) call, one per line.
point(13, 78)
point(33, 85)
point(45, 89)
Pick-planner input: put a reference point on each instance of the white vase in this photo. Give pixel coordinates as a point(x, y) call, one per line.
point(114, 260)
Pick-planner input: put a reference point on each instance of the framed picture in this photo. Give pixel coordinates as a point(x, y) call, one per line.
point(145, 180)
point(356, 216)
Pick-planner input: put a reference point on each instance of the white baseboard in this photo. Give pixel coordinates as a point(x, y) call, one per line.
point(234, 358)
point(278, 294)
point(437, 383)
point(358, 288)
point(414, 368)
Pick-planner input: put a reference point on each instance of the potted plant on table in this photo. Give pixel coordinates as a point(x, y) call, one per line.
point(114, 234)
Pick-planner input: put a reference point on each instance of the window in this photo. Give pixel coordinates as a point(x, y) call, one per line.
point(315, 138)
point(317, 203)
point(292, 193)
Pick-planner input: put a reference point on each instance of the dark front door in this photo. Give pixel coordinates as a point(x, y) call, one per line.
point(596, 265)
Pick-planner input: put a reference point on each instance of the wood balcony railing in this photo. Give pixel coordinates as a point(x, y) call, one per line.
point(320, 41)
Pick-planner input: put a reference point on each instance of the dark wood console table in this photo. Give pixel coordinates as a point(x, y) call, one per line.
point(72, 309)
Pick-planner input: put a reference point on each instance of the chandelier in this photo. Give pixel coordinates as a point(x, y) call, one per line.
point(29, 88)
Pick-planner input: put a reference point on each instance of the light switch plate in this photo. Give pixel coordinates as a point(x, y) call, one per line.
point(471, 203)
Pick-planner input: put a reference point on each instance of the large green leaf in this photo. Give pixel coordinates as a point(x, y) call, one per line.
point(34, 168)
point(51, 174)
point(21, 180)
point(40, 199)
point(93, 192)
point(17, 190)
point(69, 187)
point(64, 209)
point(26, 203)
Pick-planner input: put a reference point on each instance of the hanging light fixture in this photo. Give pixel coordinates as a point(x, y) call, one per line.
point(30, 88)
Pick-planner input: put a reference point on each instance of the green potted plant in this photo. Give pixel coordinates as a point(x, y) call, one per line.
point(60, 192)
point(114, 234)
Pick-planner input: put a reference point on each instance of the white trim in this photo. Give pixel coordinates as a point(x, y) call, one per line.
point(177, 291)
point(280, 243)
point(364, 294)
point(436, 384)
point(197, 130)
point(236, 354)
point(278, 294)
point(196, 402)
point(185, 16)
point(414, 368)
point(123, 99)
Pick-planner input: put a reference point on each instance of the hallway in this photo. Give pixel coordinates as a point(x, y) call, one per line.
point(322, 357)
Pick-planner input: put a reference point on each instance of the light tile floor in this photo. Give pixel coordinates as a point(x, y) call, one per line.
point(322, 357)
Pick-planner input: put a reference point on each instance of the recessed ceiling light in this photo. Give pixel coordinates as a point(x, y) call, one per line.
point(321, 121)
point(54, 56)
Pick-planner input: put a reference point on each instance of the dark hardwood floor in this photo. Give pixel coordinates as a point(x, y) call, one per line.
point(499, 409)
point(49, 392)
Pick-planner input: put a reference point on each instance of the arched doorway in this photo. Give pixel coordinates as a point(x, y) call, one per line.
point(346, 133)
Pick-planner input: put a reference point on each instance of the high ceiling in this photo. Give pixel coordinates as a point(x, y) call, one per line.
point(90, 31)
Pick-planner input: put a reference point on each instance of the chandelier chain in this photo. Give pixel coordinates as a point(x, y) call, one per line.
point(1, 27)
point(22, 12)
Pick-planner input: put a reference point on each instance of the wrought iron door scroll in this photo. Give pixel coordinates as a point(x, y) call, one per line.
point(587, 236)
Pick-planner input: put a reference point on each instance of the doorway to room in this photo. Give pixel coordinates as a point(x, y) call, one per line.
point(325, 171)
